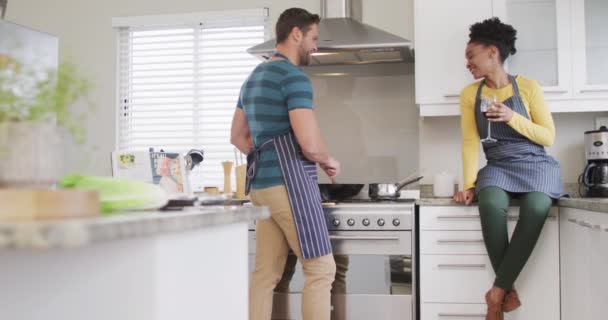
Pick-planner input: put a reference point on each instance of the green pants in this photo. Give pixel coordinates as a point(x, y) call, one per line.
point(509, 258)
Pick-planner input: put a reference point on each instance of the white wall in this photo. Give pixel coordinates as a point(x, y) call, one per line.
point(84, 28)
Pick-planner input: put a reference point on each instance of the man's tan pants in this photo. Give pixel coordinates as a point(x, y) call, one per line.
point(274, 237)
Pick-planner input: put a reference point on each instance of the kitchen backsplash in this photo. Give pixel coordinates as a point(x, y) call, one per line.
point(371, 124)
point(368, 119)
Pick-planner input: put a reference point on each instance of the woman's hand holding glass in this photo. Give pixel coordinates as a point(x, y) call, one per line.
point(486, 104)
point(499, 112)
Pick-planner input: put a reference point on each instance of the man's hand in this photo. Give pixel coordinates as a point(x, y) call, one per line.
point(465, 196)
point(331, 167)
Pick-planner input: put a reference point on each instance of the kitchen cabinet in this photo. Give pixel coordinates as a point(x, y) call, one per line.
point(441, 33)
point(560, 43)
point(583, 259)
point(543, 44)
point(453, 256)
point(590, 48)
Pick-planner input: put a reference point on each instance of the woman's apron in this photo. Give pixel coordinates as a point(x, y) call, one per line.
point(514, 163)
point(300, 177)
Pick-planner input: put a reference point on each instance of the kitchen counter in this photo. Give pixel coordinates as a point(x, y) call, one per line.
point(87, 231)
point(159, 265)
point(592, 204)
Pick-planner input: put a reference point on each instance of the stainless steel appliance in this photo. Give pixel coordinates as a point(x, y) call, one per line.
point(595, 176)
point(372, 243)
point(344, 39)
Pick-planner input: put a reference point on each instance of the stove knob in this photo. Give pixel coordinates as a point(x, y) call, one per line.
point(335, 222)
point(381, 222)
point(350, 222)
point(366, 222)
point(396, 222)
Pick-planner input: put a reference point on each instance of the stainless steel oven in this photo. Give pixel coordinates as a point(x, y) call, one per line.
point(372, 245)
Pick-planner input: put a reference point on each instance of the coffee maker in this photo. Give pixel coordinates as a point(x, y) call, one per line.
point(595, 176)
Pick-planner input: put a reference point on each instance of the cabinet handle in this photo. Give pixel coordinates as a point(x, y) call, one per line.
point(593, 90)
point(584, 224)
point(555, 90)
point(467, 266)
point(462, 315)
point(460, 216)
point(572, 220)
point(450, 241)
point(451, 96)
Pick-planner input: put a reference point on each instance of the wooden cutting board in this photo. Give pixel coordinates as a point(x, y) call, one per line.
point(32, 204)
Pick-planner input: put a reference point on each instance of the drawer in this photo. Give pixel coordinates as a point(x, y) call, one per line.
point(452, 242)
point(460, 217)
point(471, 242)
point(439, 311)
point(455, 279)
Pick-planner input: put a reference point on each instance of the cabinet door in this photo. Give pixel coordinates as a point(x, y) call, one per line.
point(441, 35)
point(599, 263)
point(574, 255)
point(590, 47)
point(543, 42)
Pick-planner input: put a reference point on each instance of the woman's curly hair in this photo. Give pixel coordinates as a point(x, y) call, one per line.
point(493, 32)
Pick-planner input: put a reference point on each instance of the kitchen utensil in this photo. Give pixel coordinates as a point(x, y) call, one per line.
point(227, 165)
point(443, 185)
point(240, 172)
point(338, 192)
point(193, 158)
point(31, 204)
point(390, 191)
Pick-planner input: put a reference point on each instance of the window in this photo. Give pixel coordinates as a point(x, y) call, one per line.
point(178, 82)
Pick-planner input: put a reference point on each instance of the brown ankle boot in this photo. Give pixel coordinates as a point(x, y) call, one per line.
point(512, 301)
point(494, 300)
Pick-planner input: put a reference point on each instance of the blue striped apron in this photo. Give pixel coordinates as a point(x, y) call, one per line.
point(514, 163)
point(300, 176)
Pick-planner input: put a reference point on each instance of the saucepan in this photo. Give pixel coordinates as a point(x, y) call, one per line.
point(390, 191)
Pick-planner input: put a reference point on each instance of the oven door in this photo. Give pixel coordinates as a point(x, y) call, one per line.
point(373, 277)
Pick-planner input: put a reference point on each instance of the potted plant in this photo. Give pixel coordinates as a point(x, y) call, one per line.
point(35, 115)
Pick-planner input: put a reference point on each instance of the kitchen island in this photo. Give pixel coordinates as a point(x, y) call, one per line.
point(138, 265)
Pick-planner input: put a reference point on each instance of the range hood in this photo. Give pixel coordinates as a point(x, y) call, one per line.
point(343, 39)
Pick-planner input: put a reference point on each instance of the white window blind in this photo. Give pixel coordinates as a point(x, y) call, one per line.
point(179, 84)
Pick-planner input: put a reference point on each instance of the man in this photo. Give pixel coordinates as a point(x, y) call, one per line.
point(275, 126)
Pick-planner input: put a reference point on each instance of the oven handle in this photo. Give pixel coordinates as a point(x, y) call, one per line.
point(377, 238)
point(462, 315)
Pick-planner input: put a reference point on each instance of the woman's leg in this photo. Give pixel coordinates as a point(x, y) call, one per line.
point(493, 206)
point(533, 212)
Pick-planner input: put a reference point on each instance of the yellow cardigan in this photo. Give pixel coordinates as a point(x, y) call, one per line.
point(539, 128)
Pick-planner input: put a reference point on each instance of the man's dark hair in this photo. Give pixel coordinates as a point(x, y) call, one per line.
point(294, 17)
point(493, 32)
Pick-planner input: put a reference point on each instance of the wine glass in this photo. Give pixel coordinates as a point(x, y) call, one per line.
point(485, 103)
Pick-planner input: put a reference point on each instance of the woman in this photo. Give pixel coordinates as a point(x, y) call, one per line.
point(517, 164)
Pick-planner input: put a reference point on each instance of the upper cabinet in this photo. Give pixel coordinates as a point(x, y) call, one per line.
point(560, 44)
point(590, 47)
point(441, 30)
point(543, 42)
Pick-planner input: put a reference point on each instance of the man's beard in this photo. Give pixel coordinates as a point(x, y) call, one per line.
point(304, 58)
